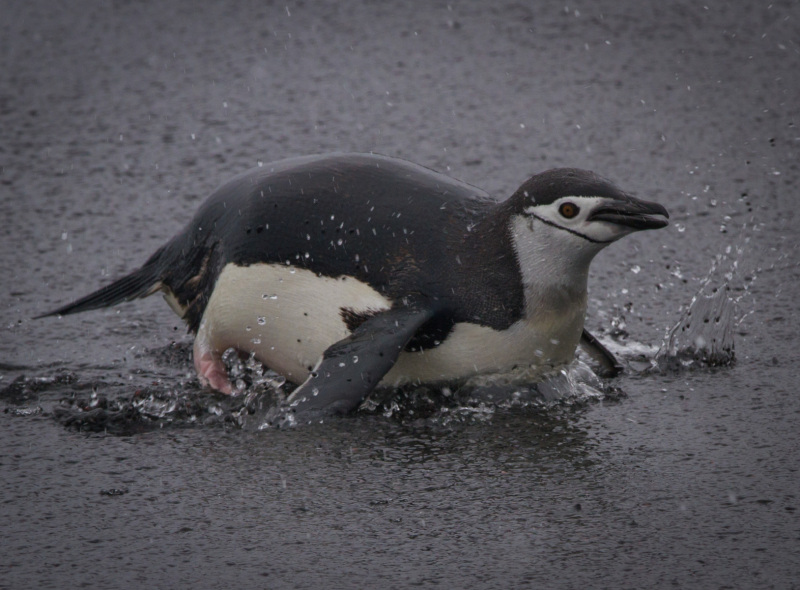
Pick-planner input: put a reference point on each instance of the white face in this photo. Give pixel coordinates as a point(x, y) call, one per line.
point(572, 215)
point(555, 243)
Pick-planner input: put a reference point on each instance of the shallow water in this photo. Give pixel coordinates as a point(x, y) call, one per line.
point(118, 470)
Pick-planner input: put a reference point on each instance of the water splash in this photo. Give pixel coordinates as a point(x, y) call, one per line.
point(174, 398)
point(704, 334)
point(479, 398)
point(257, 386)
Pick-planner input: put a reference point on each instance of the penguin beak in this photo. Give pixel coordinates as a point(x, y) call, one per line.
point(631, 213)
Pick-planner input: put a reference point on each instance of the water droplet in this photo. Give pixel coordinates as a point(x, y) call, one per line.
point(355, 359)
point(247, 328)
point(256, 341)
point(636, 269)
point(680, 227)
point(262, 320)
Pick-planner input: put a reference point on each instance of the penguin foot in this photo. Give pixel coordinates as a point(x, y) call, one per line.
point(211, 371)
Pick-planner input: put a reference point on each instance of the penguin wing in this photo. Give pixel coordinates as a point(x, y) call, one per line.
point(609, 366)
point(351, 368)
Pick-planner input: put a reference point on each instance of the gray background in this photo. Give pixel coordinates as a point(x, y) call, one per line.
point(118, 118)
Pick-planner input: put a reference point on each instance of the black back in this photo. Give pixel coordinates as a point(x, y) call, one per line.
point(411, 233)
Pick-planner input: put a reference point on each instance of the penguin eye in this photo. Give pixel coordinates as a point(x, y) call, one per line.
point(569, 210)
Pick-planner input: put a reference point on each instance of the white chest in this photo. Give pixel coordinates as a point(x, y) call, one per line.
point(472, 349)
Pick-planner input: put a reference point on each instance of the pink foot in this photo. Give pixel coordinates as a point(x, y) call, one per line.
point(210, 369)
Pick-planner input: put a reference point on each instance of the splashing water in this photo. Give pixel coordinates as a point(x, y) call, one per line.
point(259, 387)
point(704, 334)
point(475, 400)
point(480, 397)
point(96, 405)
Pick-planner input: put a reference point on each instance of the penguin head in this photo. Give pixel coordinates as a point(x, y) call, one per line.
point(560, 219)
point(585, 206)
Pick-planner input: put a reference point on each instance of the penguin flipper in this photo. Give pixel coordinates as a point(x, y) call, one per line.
point(608, 364)
point(351, 368)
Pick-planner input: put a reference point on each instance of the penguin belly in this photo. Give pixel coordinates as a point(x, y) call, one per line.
point(287, 317)
point(284, 315)
point(472, 349)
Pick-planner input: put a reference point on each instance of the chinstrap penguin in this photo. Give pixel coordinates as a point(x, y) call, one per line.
point(344, 272)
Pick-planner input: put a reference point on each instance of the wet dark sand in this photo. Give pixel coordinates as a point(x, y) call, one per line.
point(118, 120)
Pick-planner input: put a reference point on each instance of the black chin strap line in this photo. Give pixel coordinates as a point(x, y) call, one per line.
point(572, 231)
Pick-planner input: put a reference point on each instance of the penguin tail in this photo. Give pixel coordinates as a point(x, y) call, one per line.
point(140, 283)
